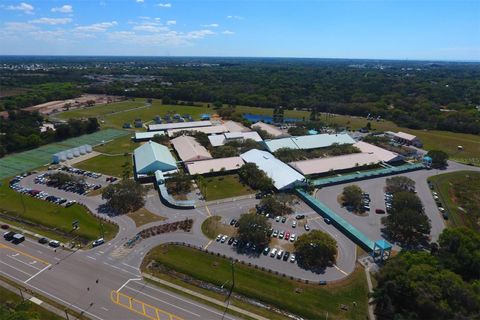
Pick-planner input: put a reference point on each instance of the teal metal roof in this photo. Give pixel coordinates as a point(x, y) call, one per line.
point(367, 174)
point(383, 244)
point(338, 221)
point(309, 142)
point(152, 156)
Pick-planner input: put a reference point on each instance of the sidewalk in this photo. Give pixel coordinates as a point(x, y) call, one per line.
point(203, 297)
point(37, 301)
point(226, 200)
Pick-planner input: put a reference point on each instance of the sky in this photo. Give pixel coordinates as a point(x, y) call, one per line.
point(388, 29)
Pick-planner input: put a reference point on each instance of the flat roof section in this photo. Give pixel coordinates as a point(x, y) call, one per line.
point(178, 125)
point(270, 129)
point(139, 136)
point(382, 154)
point(214, 165)
point(324, 165)
point(206, 130)
point(309, 142)
point(221, 139)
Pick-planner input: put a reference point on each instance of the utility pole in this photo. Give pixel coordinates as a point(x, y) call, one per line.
point(66, 314)
point(21, 294)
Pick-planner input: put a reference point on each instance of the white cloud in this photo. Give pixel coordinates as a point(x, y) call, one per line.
point(171, 22)
point(164, 5)
point(228, 32)
point(52, 21)
point(63, 9)
point(25, 7)
point(96, 27)
point(235, 17)
point(150, 28)
point(140, 1)
point(18, 26)
point(211, 25)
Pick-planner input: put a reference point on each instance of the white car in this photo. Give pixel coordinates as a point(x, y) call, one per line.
point(224, 238)
point(292, 258)
point(294, 223)
point(278, 218)
point(98, 242)
point(442, 210)
point(54, 243)
point(219, 237)
point(293, 237)
point(273, 252)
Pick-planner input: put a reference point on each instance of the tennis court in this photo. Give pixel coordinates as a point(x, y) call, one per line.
point(29, 160)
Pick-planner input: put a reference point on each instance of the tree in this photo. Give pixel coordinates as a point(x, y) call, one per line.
point(126, 170)
point(439, 158)
point(399, 184)
point(161, 139)
point(353, 196)
point(257, 179)
point(459, 251)
point(125, 196)
point(274, 205)
point(406, 222)
point(413, 285)
point(254, 228)
point(315, 250)
point(179, 183)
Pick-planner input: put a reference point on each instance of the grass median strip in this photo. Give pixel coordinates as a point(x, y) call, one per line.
point(260, 285)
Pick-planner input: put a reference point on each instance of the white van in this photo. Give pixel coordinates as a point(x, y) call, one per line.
point(98, 242)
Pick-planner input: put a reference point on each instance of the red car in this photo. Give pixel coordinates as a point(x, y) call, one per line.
point(379, 211)
point(287, 235)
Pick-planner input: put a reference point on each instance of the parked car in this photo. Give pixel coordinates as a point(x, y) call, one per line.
point(43, 240)
point(219, 237)
point(277, 218)
point(284, 219)
point(292, 258)
point(279, 254)
point(300, 216)
point(281, 235)
point(327, 221)
point(293, 237)
point(287, 235)
point(294, 224)
point(8, 235)
point(230, 241)
point(17, 238)
point(54, 243)
point(224, 238)
point(266, 251)
point(307, 227)
point(232, 222)
point(5, 226)
point(275, 233)
point(98, 242)
point(286, 255)
point(379, 211)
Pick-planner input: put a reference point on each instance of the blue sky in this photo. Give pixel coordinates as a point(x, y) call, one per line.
point(441, 30)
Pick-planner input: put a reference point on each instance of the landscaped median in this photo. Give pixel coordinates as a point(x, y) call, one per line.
point(193, 268)
point(51, 220)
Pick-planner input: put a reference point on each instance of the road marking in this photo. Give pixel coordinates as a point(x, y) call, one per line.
point(103, 308)
point(136, 269)
point(208, 243)
point(36, 274)
point(118, 268)
point(27, 264)
point(336, 267)
point(23, 253)
point(91, 257)
point(123, 285)
point(208, 211)
point(116, 296)
point(28, 274)
point(163, 301)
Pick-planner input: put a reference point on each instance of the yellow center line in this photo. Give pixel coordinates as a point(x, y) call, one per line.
point(24, 253)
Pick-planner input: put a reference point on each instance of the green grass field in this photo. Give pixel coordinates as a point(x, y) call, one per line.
point(226, 186)
point(460, 194)
point(311, 301)
point(109, 165)
point(52, 216)
point(118, 146)
point(12, 306)
point(432, 139)
point(212, 226)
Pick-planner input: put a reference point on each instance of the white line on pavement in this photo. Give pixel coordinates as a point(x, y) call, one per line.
point(28, 274)
point(91, 257)
point(115, 267)
point(36, 274)
point(27, 264)
point(123, 285)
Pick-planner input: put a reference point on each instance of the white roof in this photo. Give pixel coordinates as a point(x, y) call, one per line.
point(322, 165)
point(283, 176)
point(233, 126)
point(147, 135)
point(178, 125)
point(380, 153)
point(220, 139)
point(214, 165)
point(272, 130)
point(405, 136)
point(309, 142)
point(206, 130)
point(189, 149)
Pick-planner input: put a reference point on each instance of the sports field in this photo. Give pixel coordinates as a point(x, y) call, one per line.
point(106, 164)
point(29, 160)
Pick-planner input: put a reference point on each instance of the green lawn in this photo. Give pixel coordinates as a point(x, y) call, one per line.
point(120, 145)
point(109, 165)
point(460, 190)
point(226, 186)
point(213, 226)
point(310, 301)
point(101, 110)
point(52, 216)
point(11, 306)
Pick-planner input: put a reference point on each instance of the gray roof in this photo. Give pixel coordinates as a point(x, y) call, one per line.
point(309, 142)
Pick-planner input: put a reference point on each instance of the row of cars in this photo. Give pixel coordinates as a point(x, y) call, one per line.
point(79, 187)
point(81, 172)
point(286, 235)
point(42, 195)
point(274, 252)
point(438, 201)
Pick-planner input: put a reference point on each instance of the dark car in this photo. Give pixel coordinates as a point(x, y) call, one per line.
point(284, 219)
point(230, 241)
point(379, 211)
point(286, 255)
point(236, 224)
point(5, 226)
point(300, 216)
point(232, 222)
point(8, 235)
point(43, 240)
point(266, 251)
point(327, 221)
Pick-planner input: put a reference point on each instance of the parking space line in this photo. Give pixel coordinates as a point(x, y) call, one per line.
point(336, 267)
point(23, 253)
point(208, 244)
point(115, 298)
point(36, 274)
